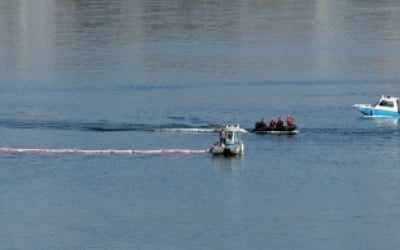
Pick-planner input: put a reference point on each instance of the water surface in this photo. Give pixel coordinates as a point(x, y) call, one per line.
point(122, 74)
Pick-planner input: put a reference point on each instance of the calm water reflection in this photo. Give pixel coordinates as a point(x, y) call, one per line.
point(135, 42)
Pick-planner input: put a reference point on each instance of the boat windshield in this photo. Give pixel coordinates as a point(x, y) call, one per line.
point(385, 103)
point(229, 138)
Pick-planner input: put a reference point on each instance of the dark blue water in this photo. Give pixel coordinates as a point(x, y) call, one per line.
point(122, 74)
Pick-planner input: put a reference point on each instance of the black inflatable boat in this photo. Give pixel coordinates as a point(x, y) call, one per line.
point(263, 129)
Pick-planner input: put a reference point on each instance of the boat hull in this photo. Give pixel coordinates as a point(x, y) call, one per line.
point(289, 130)
point(228, 150)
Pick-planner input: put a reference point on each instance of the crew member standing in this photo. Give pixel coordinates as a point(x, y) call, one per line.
point(222, 137)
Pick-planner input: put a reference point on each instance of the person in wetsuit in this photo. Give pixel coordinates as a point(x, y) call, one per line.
point(272, 123)
point(279, 123)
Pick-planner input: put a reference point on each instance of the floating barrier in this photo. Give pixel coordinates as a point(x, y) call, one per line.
point(101, 151)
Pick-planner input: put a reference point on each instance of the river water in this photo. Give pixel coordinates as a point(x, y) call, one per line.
point(131, 74)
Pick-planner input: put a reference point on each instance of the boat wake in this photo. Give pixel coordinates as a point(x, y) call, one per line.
point(197, 130)
point(107, 126)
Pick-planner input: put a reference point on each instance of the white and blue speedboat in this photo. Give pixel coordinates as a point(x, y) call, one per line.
point(387, 106)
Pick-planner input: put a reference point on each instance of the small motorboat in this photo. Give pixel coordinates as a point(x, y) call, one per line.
point(229, 143)
point(387, 106)
point(276, 128)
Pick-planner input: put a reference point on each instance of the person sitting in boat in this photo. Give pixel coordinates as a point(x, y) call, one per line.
point(279, 123)
point(290, 121)
point(272, 123)
point(261, 124)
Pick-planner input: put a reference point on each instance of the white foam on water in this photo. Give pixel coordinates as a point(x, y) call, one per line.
point(195, 130)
